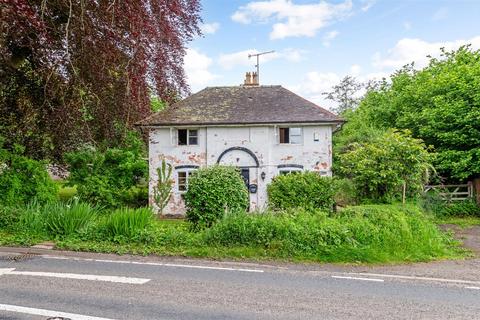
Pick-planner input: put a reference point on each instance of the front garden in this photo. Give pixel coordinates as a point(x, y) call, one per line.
point(300, 225)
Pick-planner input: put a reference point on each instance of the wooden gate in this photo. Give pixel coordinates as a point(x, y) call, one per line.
point(452, 192)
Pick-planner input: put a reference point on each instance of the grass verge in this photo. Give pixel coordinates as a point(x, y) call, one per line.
point(361, 234)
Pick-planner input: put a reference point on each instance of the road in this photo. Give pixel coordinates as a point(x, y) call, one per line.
point(97, 287)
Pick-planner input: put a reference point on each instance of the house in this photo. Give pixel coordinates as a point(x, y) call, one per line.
point(263, 130)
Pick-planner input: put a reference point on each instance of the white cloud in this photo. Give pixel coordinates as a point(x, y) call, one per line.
point(440, 14)
point(210, 28)
point(407, 50)
point(355, 70)
point(293, 20)
point(314, 84)
point(367, 4)
point(240, 58)
point(197, 69)
point(328, 37)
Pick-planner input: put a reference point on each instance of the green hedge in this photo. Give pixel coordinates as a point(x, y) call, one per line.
point(306, 190)
point(213, 191)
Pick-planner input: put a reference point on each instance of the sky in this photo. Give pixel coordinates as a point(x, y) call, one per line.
point(317, 43)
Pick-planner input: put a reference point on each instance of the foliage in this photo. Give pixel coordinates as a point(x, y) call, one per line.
point(9, 216)
point(363, 233)
point(213, 191)
point(381, 168)
point(306, 190)
point(346, 193)
point(71, 71)
point(374, 233)
point(127, 222)
point(23, 179)
point(440, 104)
point(346, 94)
point(63, 219)
point(109, 178)
point(163, 190)
point(433, 203)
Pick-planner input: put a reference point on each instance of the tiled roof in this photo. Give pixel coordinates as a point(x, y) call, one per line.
point(241, 105)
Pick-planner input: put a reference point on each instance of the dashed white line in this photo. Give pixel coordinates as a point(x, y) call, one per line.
point(473, 288)
point(155, 264)
point(47, 313)
point(357, 278)
point(381, 275)
point(78, 276)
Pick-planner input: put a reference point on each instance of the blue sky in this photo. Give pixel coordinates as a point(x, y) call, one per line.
point(317, 43)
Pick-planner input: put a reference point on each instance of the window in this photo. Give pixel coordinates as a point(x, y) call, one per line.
point(290, 135)
point(182, 182)
point(187, 137)
point(288, 171)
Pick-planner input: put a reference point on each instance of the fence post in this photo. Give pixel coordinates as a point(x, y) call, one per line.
point(476, 187)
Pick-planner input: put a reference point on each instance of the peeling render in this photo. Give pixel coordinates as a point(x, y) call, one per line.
point(262, 141)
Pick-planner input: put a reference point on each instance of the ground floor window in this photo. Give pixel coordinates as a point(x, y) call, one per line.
point(182, 180)
point(288, 171)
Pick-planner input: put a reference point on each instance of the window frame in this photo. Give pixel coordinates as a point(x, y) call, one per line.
point(285, 171)
point(188, 173)
point(289, 136)
point(188, 137)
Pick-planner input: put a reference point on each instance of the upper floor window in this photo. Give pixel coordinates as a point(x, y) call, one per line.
point(291, 135)
point(187, 137)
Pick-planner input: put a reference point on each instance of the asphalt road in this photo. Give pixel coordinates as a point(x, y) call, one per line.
point(93, 287)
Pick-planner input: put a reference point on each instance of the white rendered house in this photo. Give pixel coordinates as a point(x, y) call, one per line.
point(263, 130)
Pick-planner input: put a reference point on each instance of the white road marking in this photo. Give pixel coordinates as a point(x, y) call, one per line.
point(473, 288)
point(393, 276)
point(47, 313)
point(78, 276)
point(356, 278)
point(155, 264)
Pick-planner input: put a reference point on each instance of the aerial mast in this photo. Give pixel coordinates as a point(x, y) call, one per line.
point(258, 61)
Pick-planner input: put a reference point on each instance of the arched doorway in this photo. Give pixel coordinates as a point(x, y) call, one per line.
point(248, 164)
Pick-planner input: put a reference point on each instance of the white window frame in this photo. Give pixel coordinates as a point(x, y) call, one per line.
point(290, 136)
point(284, 171)
point(188, 173)
point(188, 137)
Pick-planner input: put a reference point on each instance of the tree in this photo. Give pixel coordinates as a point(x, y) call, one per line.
point(75, 71)
point(345, 94)
point(439, 104)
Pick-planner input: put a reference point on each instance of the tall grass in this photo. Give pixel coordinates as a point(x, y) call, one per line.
point(375, 233)
point(67, 218)
point(127, 222)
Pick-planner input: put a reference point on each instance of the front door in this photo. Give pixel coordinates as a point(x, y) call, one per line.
point(245, 172)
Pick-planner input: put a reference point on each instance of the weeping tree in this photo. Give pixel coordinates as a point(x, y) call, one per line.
point(75, 71)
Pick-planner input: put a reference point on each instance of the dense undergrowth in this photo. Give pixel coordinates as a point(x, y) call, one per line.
point(371, 233)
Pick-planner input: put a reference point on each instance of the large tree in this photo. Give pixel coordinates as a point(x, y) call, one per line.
point(439, 104)
point(74, 71)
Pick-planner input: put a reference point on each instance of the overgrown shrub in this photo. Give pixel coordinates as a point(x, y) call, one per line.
point(23, 179)
point(213, 191)
point(109, 178)
point(346, 193)
point(9, 216)
point(306, 190)
point(364, 233)
point(381, 167)
point(64, 219)
point(466, 208)
point(127, 223)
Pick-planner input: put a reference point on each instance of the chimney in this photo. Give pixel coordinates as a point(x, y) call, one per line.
point(248, 79)
point(251, 79)
point(254, 79)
